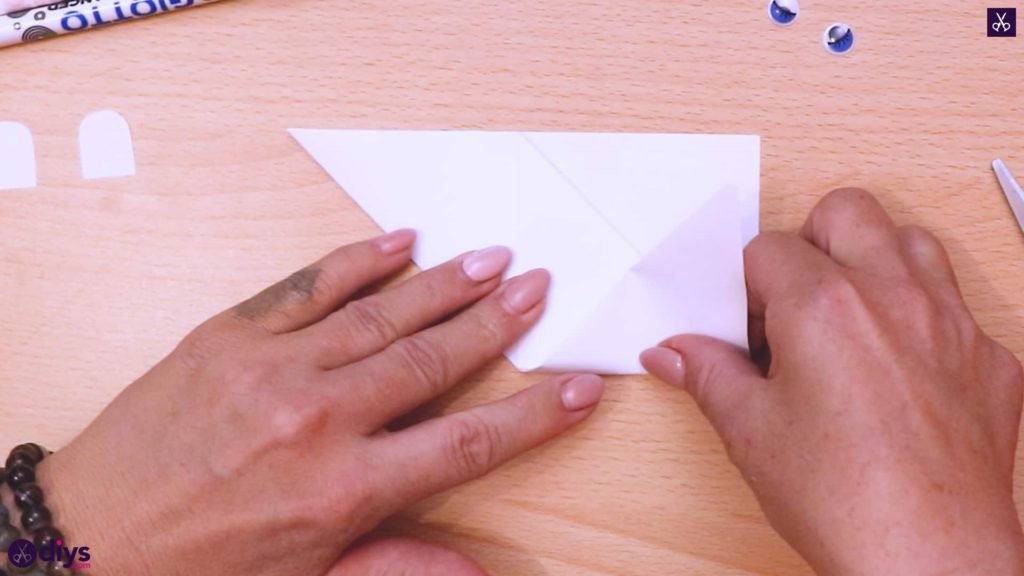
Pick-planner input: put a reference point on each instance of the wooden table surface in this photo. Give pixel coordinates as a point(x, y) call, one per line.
point(99, 279)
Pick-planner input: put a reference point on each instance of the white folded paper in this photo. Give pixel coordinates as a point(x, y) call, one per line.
point(643, 233)
point(17, 157)
point(105, 146)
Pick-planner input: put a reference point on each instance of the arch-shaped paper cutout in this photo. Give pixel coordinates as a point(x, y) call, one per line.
point(105, 146)
point(17, 157)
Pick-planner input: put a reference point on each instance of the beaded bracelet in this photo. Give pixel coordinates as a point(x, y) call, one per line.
point(20, 474)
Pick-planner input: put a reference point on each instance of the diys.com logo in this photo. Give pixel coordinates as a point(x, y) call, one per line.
point(24, 554)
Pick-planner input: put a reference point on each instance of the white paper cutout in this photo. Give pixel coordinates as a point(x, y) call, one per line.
point(105, 146)
point(643, 233)
point(17, 157)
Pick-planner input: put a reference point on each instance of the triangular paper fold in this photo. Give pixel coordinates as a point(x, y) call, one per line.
point(674, 275)
point(643, 233)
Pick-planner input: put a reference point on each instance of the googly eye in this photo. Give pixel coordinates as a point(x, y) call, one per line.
point(783, 12)
point(838, 38)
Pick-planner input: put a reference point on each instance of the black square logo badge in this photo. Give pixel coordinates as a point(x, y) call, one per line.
point(1002, 22)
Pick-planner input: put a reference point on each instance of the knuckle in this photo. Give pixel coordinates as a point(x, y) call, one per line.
point(834, 291)
point(425, 361)
point(294, 424)
point(236, 392)
point(308, 284)
point(368, 316)
point(701, 377)
point(493, 326)
point(848, 196)
point(472, 445)
point(762, 243)
point(841, 205)
point(240, 377)
point(922, 243)
point(916, 236)
point(201, 345)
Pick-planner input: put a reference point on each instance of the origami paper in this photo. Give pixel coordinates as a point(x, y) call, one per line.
point(17, 157)
point(643, 233)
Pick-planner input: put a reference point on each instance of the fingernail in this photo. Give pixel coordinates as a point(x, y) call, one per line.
point(523, 293)
point(582, 392)
point(487, 263)
point(397, 241)
point(665, 364)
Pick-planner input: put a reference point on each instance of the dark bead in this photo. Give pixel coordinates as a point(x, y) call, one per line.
point(8, 534)
point(19, 460)
point(19, 475)
point(57, 569)
point(36, 518)
point(46, 536)
point(35, 449)
point(28, 496)
point(33, 453)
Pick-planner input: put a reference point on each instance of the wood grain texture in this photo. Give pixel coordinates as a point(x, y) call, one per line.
point(98, 280)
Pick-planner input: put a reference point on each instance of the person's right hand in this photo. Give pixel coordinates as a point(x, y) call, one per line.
point(879, 431)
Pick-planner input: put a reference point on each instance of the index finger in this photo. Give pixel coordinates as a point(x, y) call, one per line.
point(853, 228)
point(779, 265)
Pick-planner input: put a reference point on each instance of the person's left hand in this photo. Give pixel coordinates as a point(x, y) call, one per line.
point(263, 445)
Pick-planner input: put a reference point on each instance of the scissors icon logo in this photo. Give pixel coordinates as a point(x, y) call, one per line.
point(1002, 21)
point(1002, 25)
point(21, 553)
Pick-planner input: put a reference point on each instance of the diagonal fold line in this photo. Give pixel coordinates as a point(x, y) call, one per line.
point(565, 178)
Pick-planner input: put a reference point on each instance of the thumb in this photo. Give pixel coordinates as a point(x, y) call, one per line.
point(407, 557)
point(719, 376)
